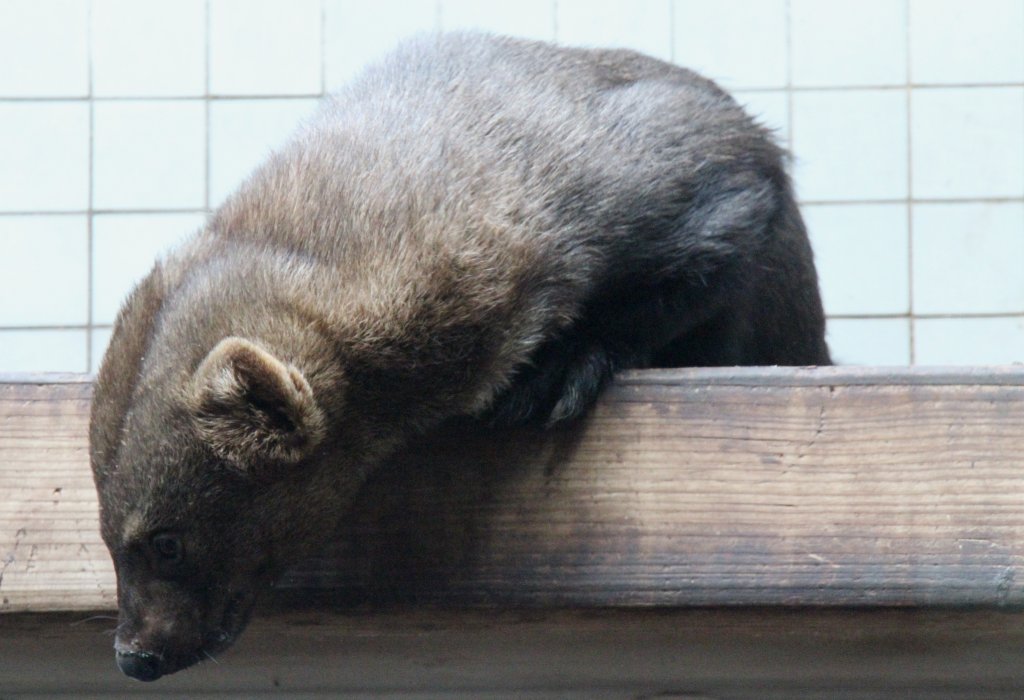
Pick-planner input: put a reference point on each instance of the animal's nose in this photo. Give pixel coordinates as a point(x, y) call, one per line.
point(140, 665)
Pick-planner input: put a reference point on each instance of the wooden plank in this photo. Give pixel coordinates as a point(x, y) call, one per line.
point(835, 486)
point(51, 554)
point(735, 654)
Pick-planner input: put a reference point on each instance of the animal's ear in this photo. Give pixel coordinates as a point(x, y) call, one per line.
point(252, 408)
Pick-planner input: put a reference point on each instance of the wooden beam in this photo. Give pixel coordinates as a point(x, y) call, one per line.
point(836, 486)
point(51, 554)
point(682, 654)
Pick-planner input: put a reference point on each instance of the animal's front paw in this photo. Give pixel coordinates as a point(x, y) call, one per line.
point(561, 384)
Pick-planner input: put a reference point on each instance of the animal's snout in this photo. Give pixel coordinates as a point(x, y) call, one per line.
point(140, 665)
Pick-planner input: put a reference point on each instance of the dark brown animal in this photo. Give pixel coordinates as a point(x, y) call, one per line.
point(477, 227)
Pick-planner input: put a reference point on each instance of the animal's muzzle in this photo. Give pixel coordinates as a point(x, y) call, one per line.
point(140, 665)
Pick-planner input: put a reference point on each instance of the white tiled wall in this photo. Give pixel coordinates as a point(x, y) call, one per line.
point(123, 246)
point(44, 48)
point(743, 44)
point(148, 49)
point(265, 48)
point(148, 154)
point(240, 131)
point(850, 145)
point(122, 122)
point(44, 166)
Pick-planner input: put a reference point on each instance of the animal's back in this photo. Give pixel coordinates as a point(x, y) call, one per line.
point(600, 203)
point(537, 140)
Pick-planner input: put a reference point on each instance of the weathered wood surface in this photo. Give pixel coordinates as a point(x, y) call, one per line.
point(51, 554)
point(623, 654)
point(685, 487)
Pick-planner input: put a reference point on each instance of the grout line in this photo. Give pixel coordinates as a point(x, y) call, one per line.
point(72, 212)
point(153, 98)
point(306, 95)
point(871, 86)
point(912, 200)
point(163, 98)
point(57, 327)
point(672, 31)
point(263, 96)
point(932, 316)
point(206, 106)
point(911, 335)
point(106, 212)
point(789, 88)
point(889, 86)
point(89, 236)
point(323, 48)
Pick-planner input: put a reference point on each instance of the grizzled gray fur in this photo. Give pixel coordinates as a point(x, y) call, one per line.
point(479, 227)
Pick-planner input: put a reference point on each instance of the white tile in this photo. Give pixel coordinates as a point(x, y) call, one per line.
point(149, 155)
point(770, 108)
point(144, 48)
point(44, 270)
point(124, 247)
point(969, 341)
point(739, 43)
point(967, 142)
point(952, 41)
point(968, 258)
point(869, 341)
point(849, 42)
point(265, 47)
point(242, 135)
point(357, 33)
point(534, 19)
point(862, 255)
point(641, 25)
point(850, 144)
point(44, 48)
point(100, 341)
point(44, 164)
point(42, 351)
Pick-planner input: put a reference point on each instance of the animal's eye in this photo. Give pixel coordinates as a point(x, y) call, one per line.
point(168, 547)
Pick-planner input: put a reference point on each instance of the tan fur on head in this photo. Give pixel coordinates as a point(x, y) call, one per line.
point(252, 408)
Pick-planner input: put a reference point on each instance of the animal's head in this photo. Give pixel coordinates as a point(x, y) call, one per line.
point(211, 478)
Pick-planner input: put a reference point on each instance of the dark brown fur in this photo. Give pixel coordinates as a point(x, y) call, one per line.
point(477, 227)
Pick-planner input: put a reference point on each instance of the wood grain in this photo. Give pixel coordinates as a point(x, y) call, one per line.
point(684, 487)
point(622, 654)
point(51, 554)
